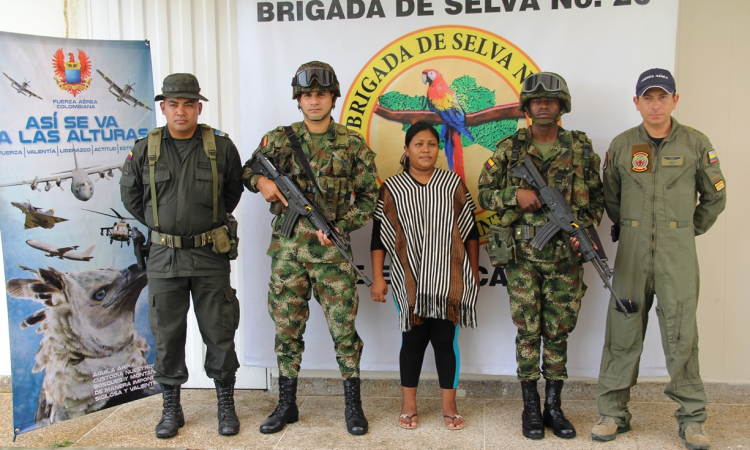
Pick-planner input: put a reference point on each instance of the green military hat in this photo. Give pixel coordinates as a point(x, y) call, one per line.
point(315, 76)
point(180, 85)
point(545, 84)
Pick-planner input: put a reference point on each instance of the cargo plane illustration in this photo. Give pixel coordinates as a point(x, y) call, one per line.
point(36, 217)
point(21, 88)
point(61, 252)
point(123, 93)
point(80, 185)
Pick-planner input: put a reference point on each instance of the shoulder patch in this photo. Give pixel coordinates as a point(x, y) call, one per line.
point(221, 133)
point(263, 141)
point(489, 164)
point(711, 155)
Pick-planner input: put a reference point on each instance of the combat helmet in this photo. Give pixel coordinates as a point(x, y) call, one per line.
point(315, 76)
point(545, 84)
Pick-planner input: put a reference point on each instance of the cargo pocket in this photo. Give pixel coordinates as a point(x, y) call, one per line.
point(231, 296)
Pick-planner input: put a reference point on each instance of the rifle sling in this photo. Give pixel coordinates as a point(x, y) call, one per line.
point(297, 147)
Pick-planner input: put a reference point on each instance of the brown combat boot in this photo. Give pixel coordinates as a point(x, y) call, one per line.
point(696, 436)
point(607, 429)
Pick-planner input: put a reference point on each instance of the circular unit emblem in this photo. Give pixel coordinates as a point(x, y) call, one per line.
point(640, 162)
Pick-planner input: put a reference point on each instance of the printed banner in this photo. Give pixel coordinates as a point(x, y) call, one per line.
point(386, 54)
point(77, 310)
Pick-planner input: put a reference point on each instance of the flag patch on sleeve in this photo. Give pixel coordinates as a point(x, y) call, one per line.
point(712, 158)
point(130, 155)
point(263, 141)
point(489, 164)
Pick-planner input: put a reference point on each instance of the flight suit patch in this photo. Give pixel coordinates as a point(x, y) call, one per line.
point(712, 158)
point(641, 158)
point(672, 161)
point(718, 182)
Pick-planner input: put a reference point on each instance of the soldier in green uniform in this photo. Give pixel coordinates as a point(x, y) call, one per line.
point(662, 187)
point(181, 214)
point(306, 262)
point(545, 286)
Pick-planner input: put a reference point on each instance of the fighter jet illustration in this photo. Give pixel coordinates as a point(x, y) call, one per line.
point(21, 87)
point(123, 94)
point(61, 252)
point(35, 217)
point(80, 185)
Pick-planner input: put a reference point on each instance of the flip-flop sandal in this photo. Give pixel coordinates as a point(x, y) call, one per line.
point(453, 421)
point(406, 416)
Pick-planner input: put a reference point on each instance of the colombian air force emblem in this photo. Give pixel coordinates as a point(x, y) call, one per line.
point(72, 76)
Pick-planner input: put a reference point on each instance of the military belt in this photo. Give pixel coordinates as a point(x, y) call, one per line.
point(167, 240)
point(525, 232)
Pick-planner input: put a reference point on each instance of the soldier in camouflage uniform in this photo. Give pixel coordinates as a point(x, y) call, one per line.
point(307, 262)
point(545, 286)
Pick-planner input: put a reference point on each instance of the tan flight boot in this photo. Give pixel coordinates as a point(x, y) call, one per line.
point(696, 436)
point(607, 429)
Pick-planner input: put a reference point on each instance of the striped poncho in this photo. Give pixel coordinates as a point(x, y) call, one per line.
point(423, 228)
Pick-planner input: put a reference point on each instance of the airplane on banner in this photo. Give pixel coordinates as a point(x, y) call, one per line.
point(35, 217)
point(21, 87)
point(80, 185)
point(123, 94)
point(61, 252)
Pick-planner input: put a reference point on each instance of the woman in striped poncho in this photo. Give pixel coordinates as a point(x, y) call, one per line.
point(425, 221)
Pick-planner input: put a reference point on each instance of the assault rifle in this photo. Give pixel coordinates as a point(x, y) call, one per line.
point(561, 217)
point(299, 205)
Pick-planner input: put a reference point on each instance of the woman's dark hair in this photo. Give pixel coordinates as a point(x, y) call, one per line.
point(416, 128)
point(411, 132)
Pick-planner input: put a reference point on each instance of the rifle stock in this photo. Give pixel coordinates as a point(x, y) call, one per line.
point(561, 217)
point(299, 205)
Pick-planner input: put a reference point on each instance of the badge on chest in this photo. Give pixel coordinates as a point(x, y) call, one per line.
point(640, 161)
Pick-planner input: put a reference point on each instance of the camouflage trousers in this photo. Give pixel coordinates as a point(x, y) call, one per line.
point(333, 286)
point(545, 298)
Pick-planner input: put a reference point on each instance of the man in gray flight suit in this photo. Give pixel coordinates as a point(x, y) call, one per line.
point(662, 187)
point(196, 172)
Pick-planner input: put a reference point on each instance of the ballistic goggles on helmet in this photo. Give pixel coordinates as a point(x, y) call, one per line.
point(549, 82)
point(305, 77)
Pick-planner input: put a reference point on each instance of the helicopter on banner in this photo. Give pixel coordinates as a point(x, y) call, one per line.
point(120, 231)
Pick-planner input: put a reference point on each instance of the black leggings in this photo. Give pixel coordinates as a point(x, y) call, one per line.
point(444, 337)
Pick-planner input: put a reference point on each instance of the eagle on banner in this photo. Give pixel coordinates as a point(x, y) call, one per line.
point(70, 75)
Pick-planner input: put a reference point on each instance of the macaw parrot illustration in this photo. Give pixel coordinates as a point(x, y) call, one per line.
point(443, 101)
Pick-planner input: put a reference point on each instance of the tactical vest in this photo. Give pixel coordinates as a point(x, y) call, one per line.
point(209, 146)
point(333, 176)
point(569, 172)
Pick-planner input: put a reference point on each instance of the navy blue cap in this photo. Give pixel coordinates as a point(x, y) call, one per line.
point(660, 78)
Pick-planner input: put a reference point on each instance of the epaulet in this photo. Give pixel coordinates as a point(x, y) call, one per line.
point(693, 130)
point(581, 136)
point(221, 133)
point(139, 140)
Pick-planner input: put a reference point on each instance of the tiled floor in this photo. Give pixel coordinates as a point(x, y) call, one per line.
point(491, 424)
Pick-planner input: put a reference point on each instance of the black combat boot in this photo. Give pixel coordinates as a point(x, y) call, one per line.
point(553, 414)
point(229, 423)
point(172, 418)
point(356, 422)
point(286, 411)
point(532, 425)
